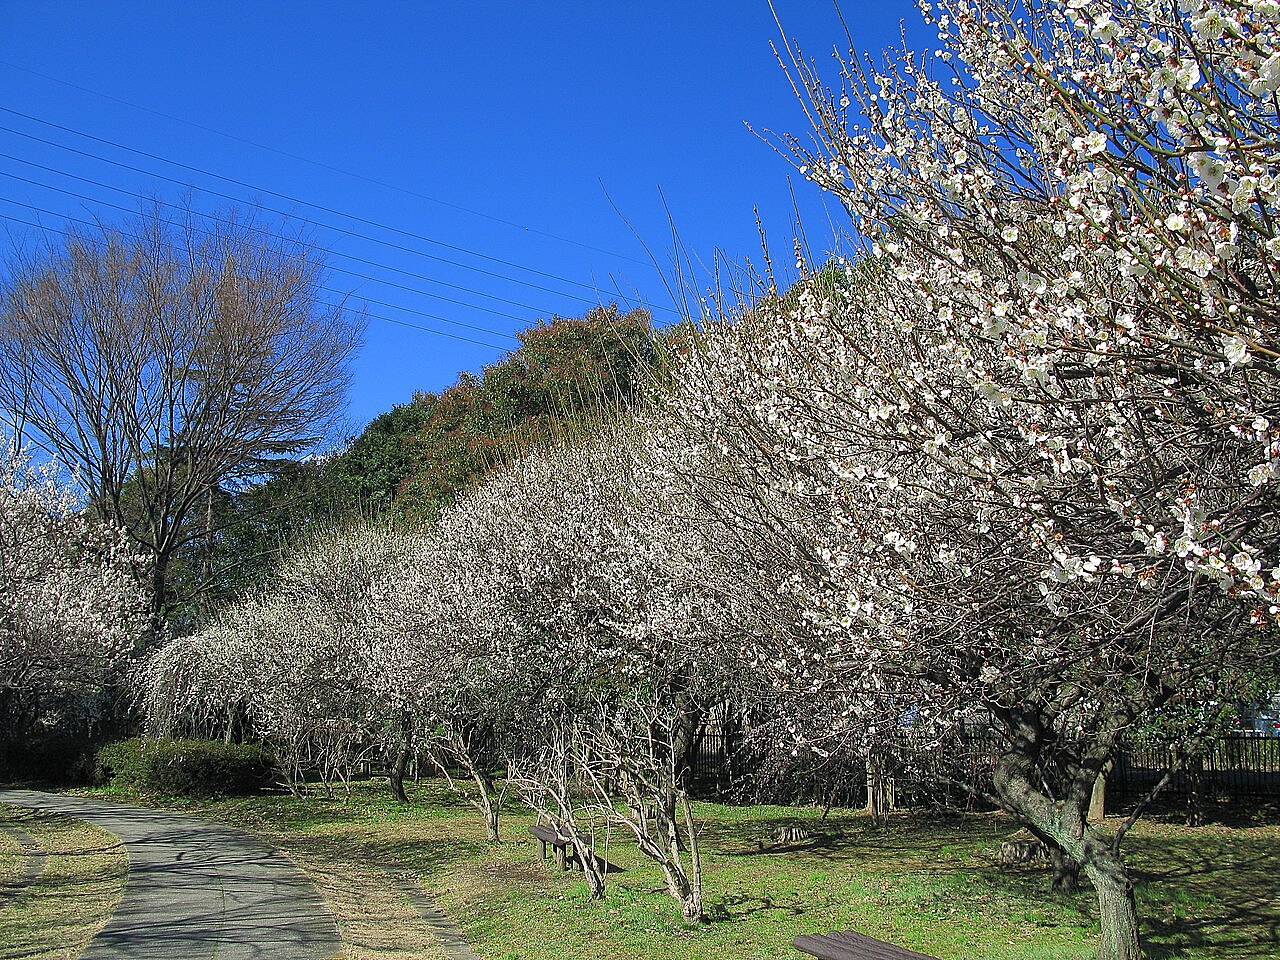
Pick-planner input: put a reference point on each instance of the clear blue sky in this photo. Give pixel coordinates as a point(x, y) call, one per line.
point(493, 127)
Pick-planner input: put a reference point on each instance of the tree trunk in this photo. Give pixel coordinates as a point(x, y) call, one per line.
point(1098, 799)
point(485, 802)
point(692, 909)
point(1117, 909)
point(684, 893)
point(594, 869)
point(1195, 791)
point(879, 789)
point(159, 601)
point(1064, 824)
point(1065, 871)
point(395, 774)
point(669, 820)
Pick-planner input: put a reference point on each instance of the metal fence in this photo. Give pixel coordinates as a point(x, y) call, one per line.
point(1238, 766)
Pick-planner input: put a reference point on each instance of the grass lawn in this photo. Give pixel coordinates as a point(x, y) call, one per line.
point(55, 916)
point(926, 882)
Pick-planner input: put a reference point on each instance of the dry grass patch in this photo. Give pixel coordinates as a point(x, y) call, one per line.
point(375, 919)
point(56, 916)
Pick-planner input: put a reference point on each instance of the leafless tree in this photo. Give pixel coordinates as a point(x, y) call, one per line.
point(164, 357)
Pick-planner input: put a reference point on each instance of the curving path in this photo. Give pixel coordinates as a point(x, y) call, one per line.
point(198, 890)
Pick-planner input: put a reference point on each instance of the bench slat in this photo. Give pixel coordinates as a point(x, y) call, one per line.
point(549, 834)
point(851, 945)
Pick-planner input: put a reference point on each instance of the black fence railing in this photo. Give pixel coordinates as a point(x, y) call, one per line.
point(1238, 765)
point(724, 767)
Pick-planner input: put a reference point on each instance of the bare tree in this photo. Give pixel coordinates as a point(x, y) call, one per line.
point(162, 358)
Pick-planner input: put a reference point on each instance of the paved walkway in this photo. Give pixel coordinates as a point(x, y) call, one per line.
point(451, 940)
point(198, 890)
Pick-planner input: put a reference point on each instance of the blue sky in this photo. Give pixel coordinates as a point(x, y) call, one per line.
point(500, 135)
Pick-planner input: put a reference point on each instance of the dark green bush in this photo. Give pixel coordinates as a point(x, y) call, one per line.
point(185, 768)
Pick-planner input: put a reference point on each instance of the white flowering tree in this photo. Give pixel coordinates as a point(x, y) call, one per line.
point(71, 609)
point(447, 644)
point(1017, 468)
point(609, 642)
point(294, 663)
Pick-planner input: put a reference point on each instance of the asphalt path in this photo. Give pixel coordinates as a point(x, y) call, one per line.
point(198, 890)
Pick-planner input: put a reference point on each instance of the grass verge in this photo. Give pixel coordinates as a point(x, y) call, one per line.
point(927, 882)
point(56, 915)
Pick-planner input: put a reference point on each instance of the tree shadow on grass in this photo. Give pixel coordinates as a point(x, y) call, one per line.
point(1212, 892)
point(741, 907)
point(936, 845)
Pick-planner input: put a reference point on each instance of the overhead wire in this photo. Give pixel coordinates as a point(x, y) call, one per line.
point(282, 213)
point(216, 219)
point(332, 306)
point(423, 238)
point(326, 166)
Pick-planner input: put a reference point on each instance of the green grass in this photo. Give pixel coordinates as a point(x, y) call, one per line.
point(926, 882)
point(56, 916)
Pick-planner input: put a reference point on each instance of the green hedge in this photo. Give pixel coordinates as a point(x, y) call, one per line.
point(185, 768)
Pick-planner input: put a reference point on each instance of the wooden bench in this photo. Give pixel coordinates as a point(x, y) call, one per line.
point(561, 844)
point(848, 945)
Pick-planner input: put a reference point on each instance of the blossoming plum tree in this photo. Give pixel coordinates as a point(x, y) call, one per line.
point(1020, 467)
point(293, 662)
point(71, 609)
point(612, 646)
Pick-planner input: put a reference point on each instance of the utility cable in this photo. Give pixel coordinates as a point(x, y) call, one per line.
point(290, 216)
point(280, 213)
point(264, 232)
point(324, 303)
point(283, 196)
point(325, 166)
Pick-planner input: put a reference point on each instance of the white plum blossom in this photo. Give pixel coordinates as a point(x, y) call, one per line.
point(71, 607)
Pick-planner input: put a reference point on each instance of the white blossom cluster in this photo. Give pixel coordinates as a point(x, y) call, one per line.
point(71, 611)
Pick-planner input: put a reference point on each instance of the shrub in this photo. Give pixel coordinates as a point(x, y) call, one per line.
point(185, 768)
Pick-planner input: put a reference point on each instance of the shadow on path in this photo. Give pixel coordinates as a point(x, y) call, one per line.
point(197, 889)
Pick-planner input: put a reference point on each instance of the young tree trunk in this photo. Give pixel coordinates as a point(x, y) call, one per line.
point(684, 731)
point(664, 847)
point(1195, 791)
point(683, 892)
point(692, 909)
point(396, 772)
point(485, 801)
point(879, 790)
point(593, 868)
point(669, 820)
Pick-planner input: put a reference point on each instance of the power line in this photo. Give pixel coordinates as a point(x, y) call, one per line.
point(226, 196)
point(291, 216)
point(350, 273)
point(264, 232)
point(331, 306)
point(283, 196)
point(325, 166)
